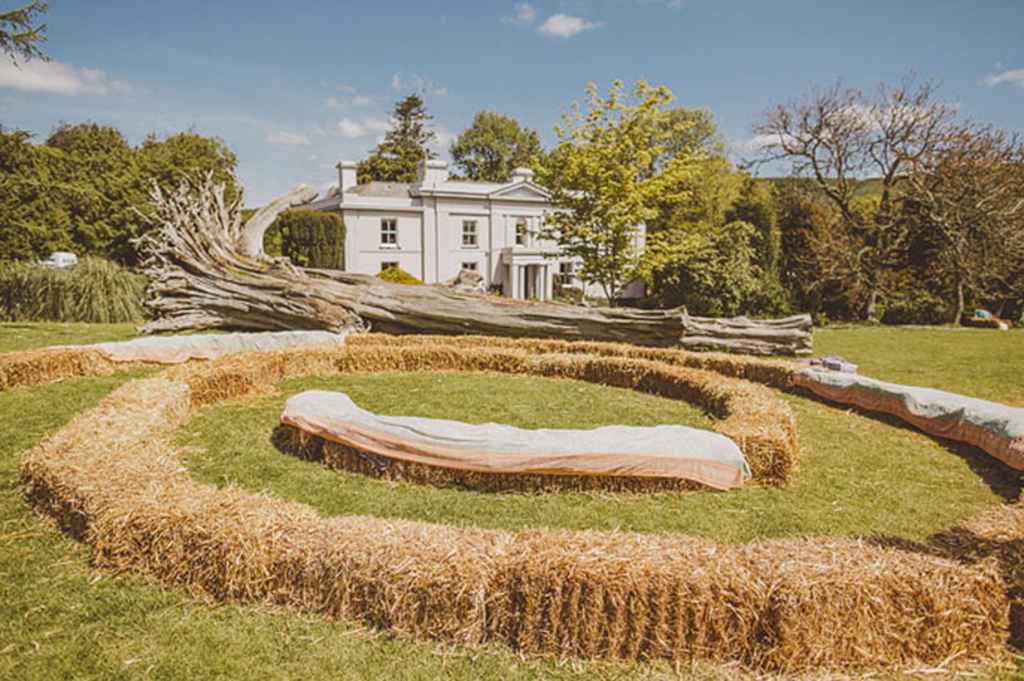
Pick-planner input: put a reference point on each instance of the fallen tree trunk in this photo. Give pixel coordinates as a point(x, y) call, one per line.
point(208, 271)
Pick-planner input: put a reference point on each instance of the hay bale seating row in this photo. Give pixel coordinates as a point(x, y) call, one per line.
point(760, 423)
point(114, 476)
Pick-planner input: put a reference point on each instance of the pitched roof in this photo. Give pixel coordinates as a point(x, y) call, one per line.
point(382, 189)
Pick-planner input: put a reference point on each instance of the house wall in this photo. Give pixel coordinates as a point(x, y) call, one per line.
point(365, 251)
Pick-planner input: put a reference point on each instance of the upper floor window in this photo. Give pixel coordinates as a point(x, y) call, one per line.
point(388, 232)
point(521, 231)
point(469, 234)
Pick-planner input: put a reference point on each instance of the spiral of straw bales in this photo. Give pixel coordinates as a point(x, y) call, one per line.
point(113, 478)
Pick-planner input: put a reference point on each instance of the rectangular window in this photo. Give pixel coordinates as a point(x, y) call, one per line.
point(566, 267)
point(388, 232)
point(471, 266)
point(388, 266)
point(469, 233)
point(521, 231)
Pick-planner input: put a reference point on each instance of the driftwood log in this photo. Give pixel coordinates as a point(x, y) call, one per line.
point(208, 270)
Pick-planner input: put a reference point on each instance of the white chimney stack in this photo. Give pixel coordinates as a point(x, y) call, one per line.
point(346, 176)
point(522, 175)
point(432, 172)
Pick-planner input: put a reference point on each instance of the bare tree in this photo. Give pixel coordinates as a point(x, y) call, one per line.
point(839, 137)
point(968, 190)
point(20, 36)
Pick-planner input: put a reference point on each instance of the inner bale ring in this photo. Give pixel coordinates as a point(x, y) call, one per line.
point(760, 424)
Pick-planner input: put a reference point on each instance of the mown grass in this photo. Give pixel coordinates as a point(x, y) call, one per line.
point(59, 619)
point(858, 476)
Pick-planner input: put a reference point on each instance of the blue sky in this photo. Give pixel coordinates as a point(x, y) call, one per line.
point(295, 87)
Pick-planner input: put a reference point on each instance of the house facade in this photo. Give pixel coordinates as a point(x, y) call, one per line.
point(435, 227)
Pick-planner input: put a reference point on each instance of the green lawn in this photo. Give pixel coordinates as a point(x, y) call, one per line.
point(58, 619)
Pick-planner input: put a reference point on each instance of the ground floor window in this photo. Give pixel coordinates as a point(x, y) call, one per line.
point(471, 266)
point(388, 265)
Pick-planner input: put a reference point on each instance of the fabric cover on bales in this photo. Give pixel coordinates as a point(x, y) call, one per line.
point(995, 428)
point(665, 451)
point(180, 349)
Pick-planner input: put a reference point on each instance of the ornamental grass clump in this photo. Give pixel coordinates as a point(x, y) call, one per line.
point(95, 291)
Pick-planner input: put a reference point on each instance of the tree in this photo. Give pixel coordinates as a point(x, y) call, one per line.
point(312, 238)
point(604, 179)
point(494, 146)
point(172, 160)
point(968, 191)
point(397, 158)
point(20, 36)
point(837, 136)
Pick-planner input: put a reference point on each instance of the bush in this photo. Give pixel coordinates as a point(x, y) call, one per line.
point(396, 275)
point(915, 306)
point(311, 238)
point(96, 290)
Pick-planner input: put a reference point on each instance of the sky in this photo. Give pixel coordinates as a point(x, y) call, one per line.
point(294, 87)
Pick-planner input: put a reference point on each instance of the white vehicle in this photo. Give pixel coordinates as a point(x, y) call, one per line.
point(61, 260)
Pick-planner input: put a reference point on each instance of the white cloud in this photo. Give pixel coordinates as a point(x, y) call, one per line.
point(525, 15)
point(418, 84)
point(566, 26)
point(347, 89)
point(361, 100)
point(1012, 77)
point(332, 103)
point(351, 128)
point(287, 139)
point(57, 78)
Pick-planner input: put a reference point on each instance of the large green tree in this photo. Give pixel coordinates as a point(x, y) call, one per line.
point(81, 189)
point(405, 144)
point(493, 146)
point(607, 176)
point(20, 32)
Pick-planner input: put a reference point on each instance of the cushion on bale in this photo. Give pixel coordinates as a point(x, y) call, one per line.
point(664, 451)
point(995, 428)
point(180, 349)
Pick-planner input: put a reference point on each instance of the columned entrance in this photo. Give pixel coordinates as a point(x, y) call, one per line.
point(528, 275)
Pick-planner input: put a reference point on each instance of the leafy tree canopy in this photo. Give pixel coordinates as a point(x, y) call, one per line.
point(397, 157)
point(81, 189)
point(494, 146)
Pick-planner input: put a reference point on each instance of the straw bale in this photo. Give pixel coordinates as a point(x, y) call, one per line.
point(782, 605)
point(34, 367)
point(776, 373)
point(339, 457)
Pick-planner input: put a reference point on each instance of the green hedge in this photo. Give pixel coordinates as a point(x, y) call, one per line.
point(311, 238)
point(95, 290)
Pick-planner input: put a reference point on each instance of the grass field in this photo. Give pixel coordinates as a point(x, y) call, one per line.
point(59, 619)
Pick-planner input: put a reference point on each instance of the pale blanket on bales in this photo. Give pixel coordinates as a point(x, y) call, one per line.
point(179, 349)
point(658, 452)
point(990, 426)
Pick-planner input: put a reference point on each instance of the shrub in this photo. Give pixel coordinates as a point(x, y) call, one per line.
point(312, 238)
point(396, 275)
point(915, 306)
point(95, 290)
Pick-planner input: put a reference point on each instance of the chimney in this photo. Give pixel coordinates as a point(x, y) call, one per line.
point(522, 175)
point(346, 176)
point(432, 172)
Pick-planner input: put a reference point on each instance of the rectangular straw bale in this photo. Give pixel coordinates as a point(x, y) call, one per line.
point(629, 596)
point(34, 367)
point(842, 603)
point(228, 545)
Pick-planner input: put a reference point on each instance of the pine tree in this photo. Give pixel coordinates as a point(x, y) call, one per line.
point(397, 158)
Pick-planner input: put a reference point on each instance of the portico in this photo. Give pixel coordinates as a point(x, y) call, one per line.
point(530, 273)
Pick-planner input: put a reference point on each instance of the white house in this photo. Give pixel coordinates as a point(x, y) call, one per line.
point(435, 227)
